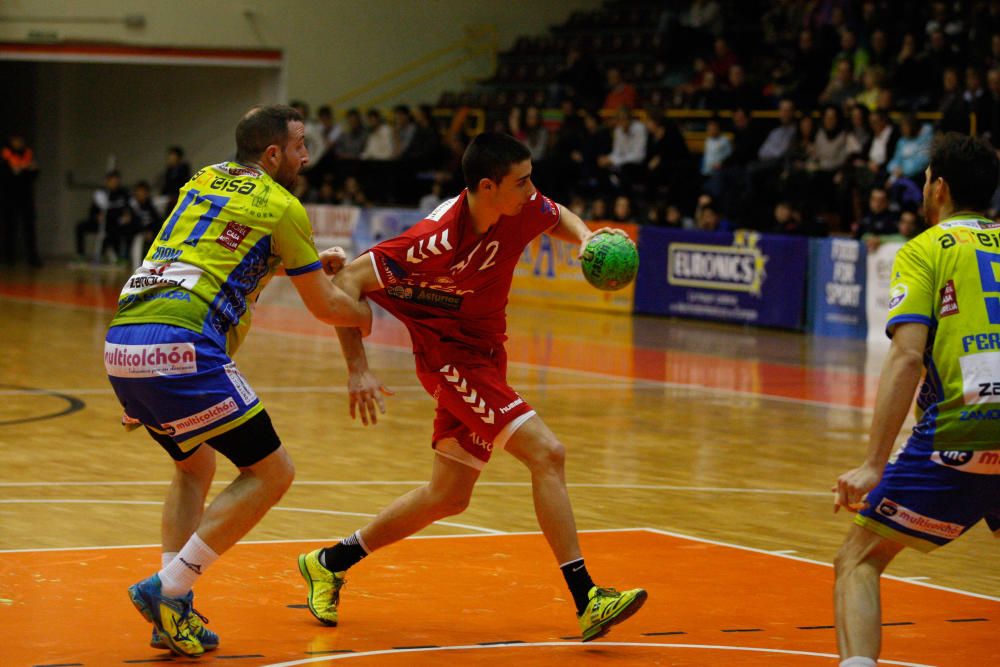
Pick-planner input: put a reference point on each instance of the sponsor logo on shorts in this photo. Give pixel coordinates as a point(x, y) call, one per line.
point(510, 406)
point(202, 419)
point(917, 522)
point(897, 295)
point(232, 236)
point(240, 384)
point(980, 463)
point(146, 361)
point(436, 298)
point(481, 442)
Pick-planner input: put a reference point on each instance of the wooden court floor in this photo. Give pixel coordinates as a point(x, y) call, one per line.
point(700, 462)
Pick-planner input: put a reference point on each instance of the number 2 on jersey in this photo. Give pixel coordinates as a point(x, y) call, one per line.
point(193, 197)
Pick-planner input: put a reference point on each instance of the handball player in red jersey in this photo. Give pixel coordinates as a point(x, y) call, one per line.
point(447, 279)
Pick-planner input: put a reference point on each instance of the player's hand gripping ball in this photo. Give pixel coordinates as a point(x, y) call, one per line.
point(610, 261)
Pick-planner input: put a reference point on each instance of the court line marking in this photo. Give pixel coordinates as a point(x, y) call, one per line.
point(907, 580)
point(577, 645)
point(683, 536)
point(263, 328)
point(579, 485)
point(89, 501)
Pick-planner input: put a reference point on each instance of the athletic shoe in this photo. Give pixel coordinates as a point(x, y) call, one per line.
point(608, 607)
point(170, 616)
point(324, 587)
point(209, 640)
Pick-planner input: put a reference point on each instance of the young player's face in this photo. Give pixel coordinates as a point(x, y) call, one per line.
point(293, 156)
point(515, 190)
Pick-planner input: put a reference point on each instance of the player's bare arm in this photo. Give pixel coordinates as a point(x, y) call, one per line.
point(364, 389)
point(572, 228)
point(900, 375)
point(331, 304)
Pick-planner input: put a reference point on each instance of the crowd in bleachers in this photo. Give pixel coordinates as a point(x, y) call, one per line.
point(798, 111)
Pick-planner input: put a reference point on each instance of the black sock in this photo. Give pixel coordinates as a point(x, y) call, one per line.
point(579, 582)
point(343, 554)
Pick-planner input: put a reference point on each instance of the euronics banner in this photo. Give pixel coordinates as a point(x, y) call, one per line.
point(735, 277)
point(837, 287)
point(549, 274)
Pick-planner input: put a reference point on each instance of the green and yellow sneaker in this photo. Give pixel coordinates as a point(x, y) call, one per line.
point(209, 640)
point(170, 616)
point(324, 587)
point(608, 607)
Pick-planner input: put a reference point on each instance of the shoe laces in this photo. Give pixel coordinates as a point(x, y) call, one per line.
point(607, 593)
point(197, 620)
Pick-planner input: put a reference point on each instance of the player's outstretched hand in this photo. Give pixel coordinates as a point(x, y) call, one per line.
point(590, 235)
point(366, 393)
point(852, 487)
point(333, 260)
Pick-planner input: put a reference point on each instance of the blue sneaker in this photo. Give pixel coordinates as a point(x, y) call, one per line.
point(209, 640)
point(170, 616)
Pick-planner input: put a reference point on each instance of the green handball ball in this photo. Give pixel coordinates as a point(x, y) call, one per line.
point(610, 261)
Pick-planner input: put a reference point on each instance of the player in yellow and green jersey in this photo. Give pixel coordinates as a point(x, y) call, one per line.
point(944, 321)
point(180, 318)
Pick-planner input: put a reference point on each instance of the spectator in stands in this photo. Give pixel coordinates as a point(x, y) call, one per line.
point(880, 221)
point(379, 144)
point(732, 185)
point(879, 53)
point(711, 220)
point(620, 93)
point(829, 155)
point(977, 99)
point(534, 134)
point(718, 147)
point(809, 67)
point(785, 219)
point(432, 199)
point(991, 125)
point(723, 58)
point(351, 193)
point(912, 154)
point(842, 86)
point(909, 75)
point(622, 210)
point(145, 217)
point(351, 142)
point(704, 16)
point(175, 175)
point(329, 129)
point(708, 96)
point(674, 217)
point(738, 92)
point(579, 79)
point(952, 105)
point(109, 218)
point(327, 193)
point(628, 150)
point(850, 51)
point(937, 57)
point(403, 129)
point(873, 82)
point(18, 172)
point(669, 164)
point(314, 133)
point(764, 172)
point(859, 133)
point(883, 144)
point(424, 150)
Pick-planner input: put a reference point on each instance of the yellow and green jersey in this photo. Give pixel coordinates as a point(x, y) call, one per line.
point(232, 226)
point(949, 279)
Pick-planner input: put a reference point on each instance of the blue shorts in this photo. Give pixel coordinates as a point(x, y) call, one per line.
point(929, 497)
point(177, 382)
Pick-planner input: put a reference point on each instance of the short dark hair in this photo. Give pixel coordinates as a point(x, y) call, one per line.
point(491, 155)
point(176, 150)
point(969, 166)
point(262, 127)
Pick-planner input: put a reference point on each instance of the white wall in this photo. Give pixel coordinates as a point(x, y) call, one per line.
point(331, 46)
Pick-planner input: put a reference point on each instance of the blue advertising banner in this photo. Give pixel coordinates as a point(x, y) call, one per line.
point(734, 277)
point(837, 289)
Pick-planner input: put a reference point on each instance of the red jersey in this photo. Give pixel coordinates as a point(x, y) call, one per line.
point(449, 285)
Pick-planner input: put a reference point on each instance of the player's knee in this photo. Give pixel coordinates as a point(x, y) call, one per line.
point(450, 503)
point(277, 471)
point(549, 455)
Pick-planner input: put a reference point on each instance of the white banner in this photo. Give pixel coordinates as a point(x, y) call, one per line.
point(333, 225)
point(877, 297)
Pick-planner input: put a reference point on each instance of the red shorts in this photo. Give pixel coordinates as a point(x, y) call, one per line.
point(476, 409)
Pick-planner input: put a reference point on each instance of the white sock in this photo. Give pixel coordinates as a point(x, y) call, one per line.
point(858, 661)
point(179, 575)
point(166, 557)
